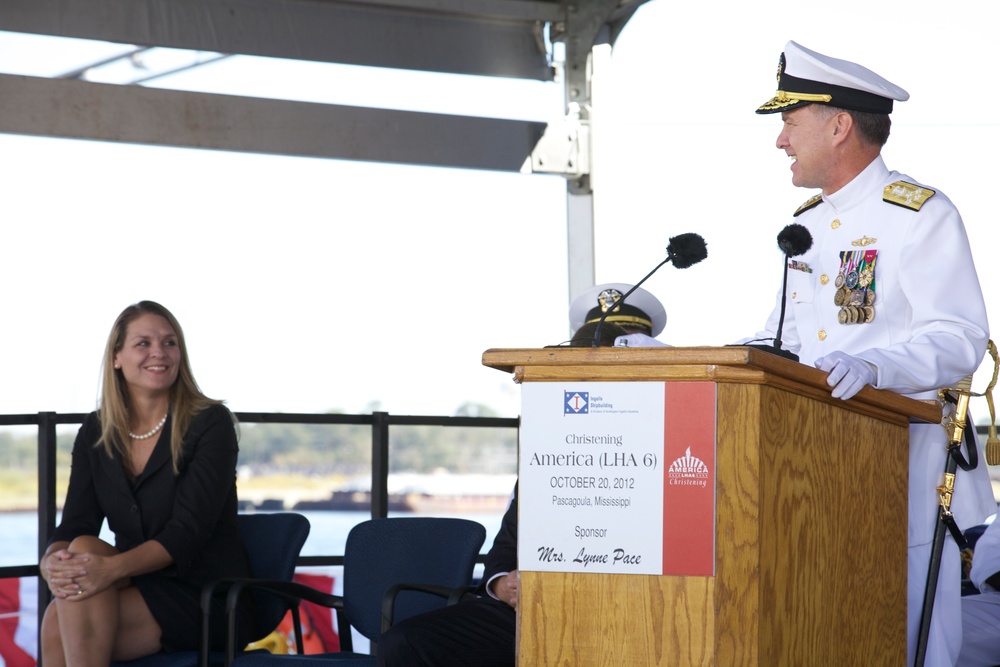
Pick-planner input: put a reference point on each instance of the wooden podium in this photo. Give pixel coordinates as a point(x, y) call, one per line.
point(810, 537)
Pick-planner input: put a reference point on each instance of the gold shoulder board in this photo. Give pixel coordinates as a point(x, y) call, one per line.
point(808, 205)
point(906, 195)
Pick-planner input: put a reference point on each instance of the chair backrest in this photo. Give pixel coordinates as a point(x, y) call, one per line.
point(426, 550)
point(273, 543)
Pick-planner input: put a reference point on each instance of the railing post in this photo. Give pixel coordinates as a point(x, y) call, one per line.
point(380, 465)
point(46, 503)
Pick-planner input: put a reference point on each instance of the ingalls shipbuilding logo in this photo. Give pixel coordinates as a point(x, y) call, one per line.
point(688, 471)
point(576, 402)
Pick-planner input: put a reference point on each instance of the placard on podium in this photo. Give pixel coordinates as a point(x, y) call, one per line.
point(810, 525)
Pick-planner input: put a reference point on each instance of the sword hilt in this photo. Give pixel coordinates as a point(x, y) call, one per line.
point(956, 422)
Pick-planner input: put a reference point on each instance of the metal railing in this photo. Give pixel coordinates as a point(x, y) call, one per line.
point(380, 423)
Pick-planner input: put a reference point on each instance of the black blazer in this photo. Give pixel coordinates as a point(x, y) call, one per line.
point(193, 514)
point(502, 556)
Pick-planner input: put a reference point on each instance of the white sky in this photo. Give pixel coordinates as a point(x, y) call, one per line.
point(306, 285)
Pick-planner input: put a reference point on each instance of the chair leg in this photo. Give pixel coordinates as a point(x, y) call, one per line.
point(297, 623)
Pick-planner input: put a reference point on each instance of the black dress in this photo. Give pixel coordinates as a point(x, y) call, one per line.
point(193, 515)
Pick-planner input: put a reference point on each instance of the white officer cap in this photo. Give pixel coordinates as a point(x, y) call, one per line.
point(642, 312)
point(807, 77)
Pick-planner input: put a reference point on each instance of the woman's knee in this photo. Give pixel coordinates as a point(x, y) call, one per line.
point(50, 623)
point(90, 544)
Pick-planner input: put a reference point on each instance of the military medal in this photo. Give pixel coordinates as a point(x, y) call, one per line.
point(866, 276)
point(842, 297)
point(855, 294)
point(842, 275)
point(867, 281)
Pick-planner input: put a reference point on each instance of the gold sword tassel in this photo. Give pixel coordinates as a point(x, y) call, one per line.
point(992, 442)
point(956, 423)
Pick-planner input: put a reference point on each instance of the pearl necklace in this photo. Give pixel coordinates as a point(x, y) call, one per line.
point(144, 436)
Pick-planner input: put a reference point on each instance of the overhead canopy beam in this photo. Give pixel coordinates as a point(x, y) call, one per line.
point(132, 114)
point(484, 37)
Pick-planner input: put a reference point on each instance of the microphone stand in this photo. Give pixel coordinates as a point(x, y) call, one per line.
point(781, 317)
point(775, 348)
point(793, 240)
point(597, 330)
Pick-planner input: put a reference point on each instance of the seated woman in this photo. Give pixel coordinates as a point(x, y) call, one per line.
point(158, 461)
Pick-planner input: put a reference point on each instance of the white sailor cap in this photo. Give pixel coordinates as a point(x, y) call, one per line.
point(642, 312)
point(807, 77)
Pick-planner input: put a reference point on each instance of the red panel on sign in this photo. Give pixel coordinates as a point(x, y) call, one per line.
point(689, 478)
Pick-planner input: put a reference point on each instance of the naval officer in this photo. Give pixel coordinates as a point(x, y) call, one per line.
point(887, 295)
point(871, 308)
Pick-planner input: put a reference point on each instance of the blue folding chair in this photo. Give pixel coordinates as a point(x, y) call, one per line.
point(273, 543)
point(394, 568)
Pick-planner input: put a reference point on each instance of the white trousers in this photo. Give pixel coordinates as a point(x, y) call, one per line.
point(980, 631)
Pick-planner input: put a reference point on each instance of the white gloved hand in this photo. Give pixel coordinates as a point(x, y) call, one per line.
point(638, 340)
point(847, 375)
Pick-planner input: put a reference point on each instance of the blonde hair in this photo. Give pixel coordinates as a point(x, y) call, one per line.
point(186, 398)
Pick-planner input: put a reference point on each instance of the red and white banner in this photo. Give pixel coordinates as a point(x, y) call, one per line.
point(689, 478)
point(18, 622)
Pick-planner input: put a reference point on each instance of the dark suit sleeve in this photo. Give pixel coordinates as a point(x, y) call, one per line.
point(82, 514)
point(205, 486)
point(502, 556)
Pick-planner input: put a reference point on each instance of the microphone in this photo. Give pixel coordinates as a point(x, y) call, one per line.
point(793, 240)
point(684, 250)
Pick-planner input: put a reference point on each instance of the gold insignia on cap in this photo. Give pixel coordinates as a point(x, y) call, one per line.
point(787, 97)
point(907, 195)
point(608, 299)
point(783, 98)
point(863, 241)
point(808, 205)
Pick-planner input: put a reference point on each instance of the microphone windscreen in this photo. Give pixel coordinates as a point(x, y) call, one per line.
point(794, 239)
point(686, 249)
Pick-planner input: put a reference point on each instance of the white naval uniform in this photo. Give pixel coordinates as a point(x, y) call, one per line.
point(981, 613)
point(929, 331)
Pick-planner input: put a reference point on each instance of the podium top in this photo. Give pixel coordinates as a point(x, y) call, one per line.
point(717, 364)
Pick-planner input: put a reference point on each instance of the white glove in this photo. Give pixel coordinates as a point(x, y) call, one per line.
point(847, 375)
point(638, 340)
